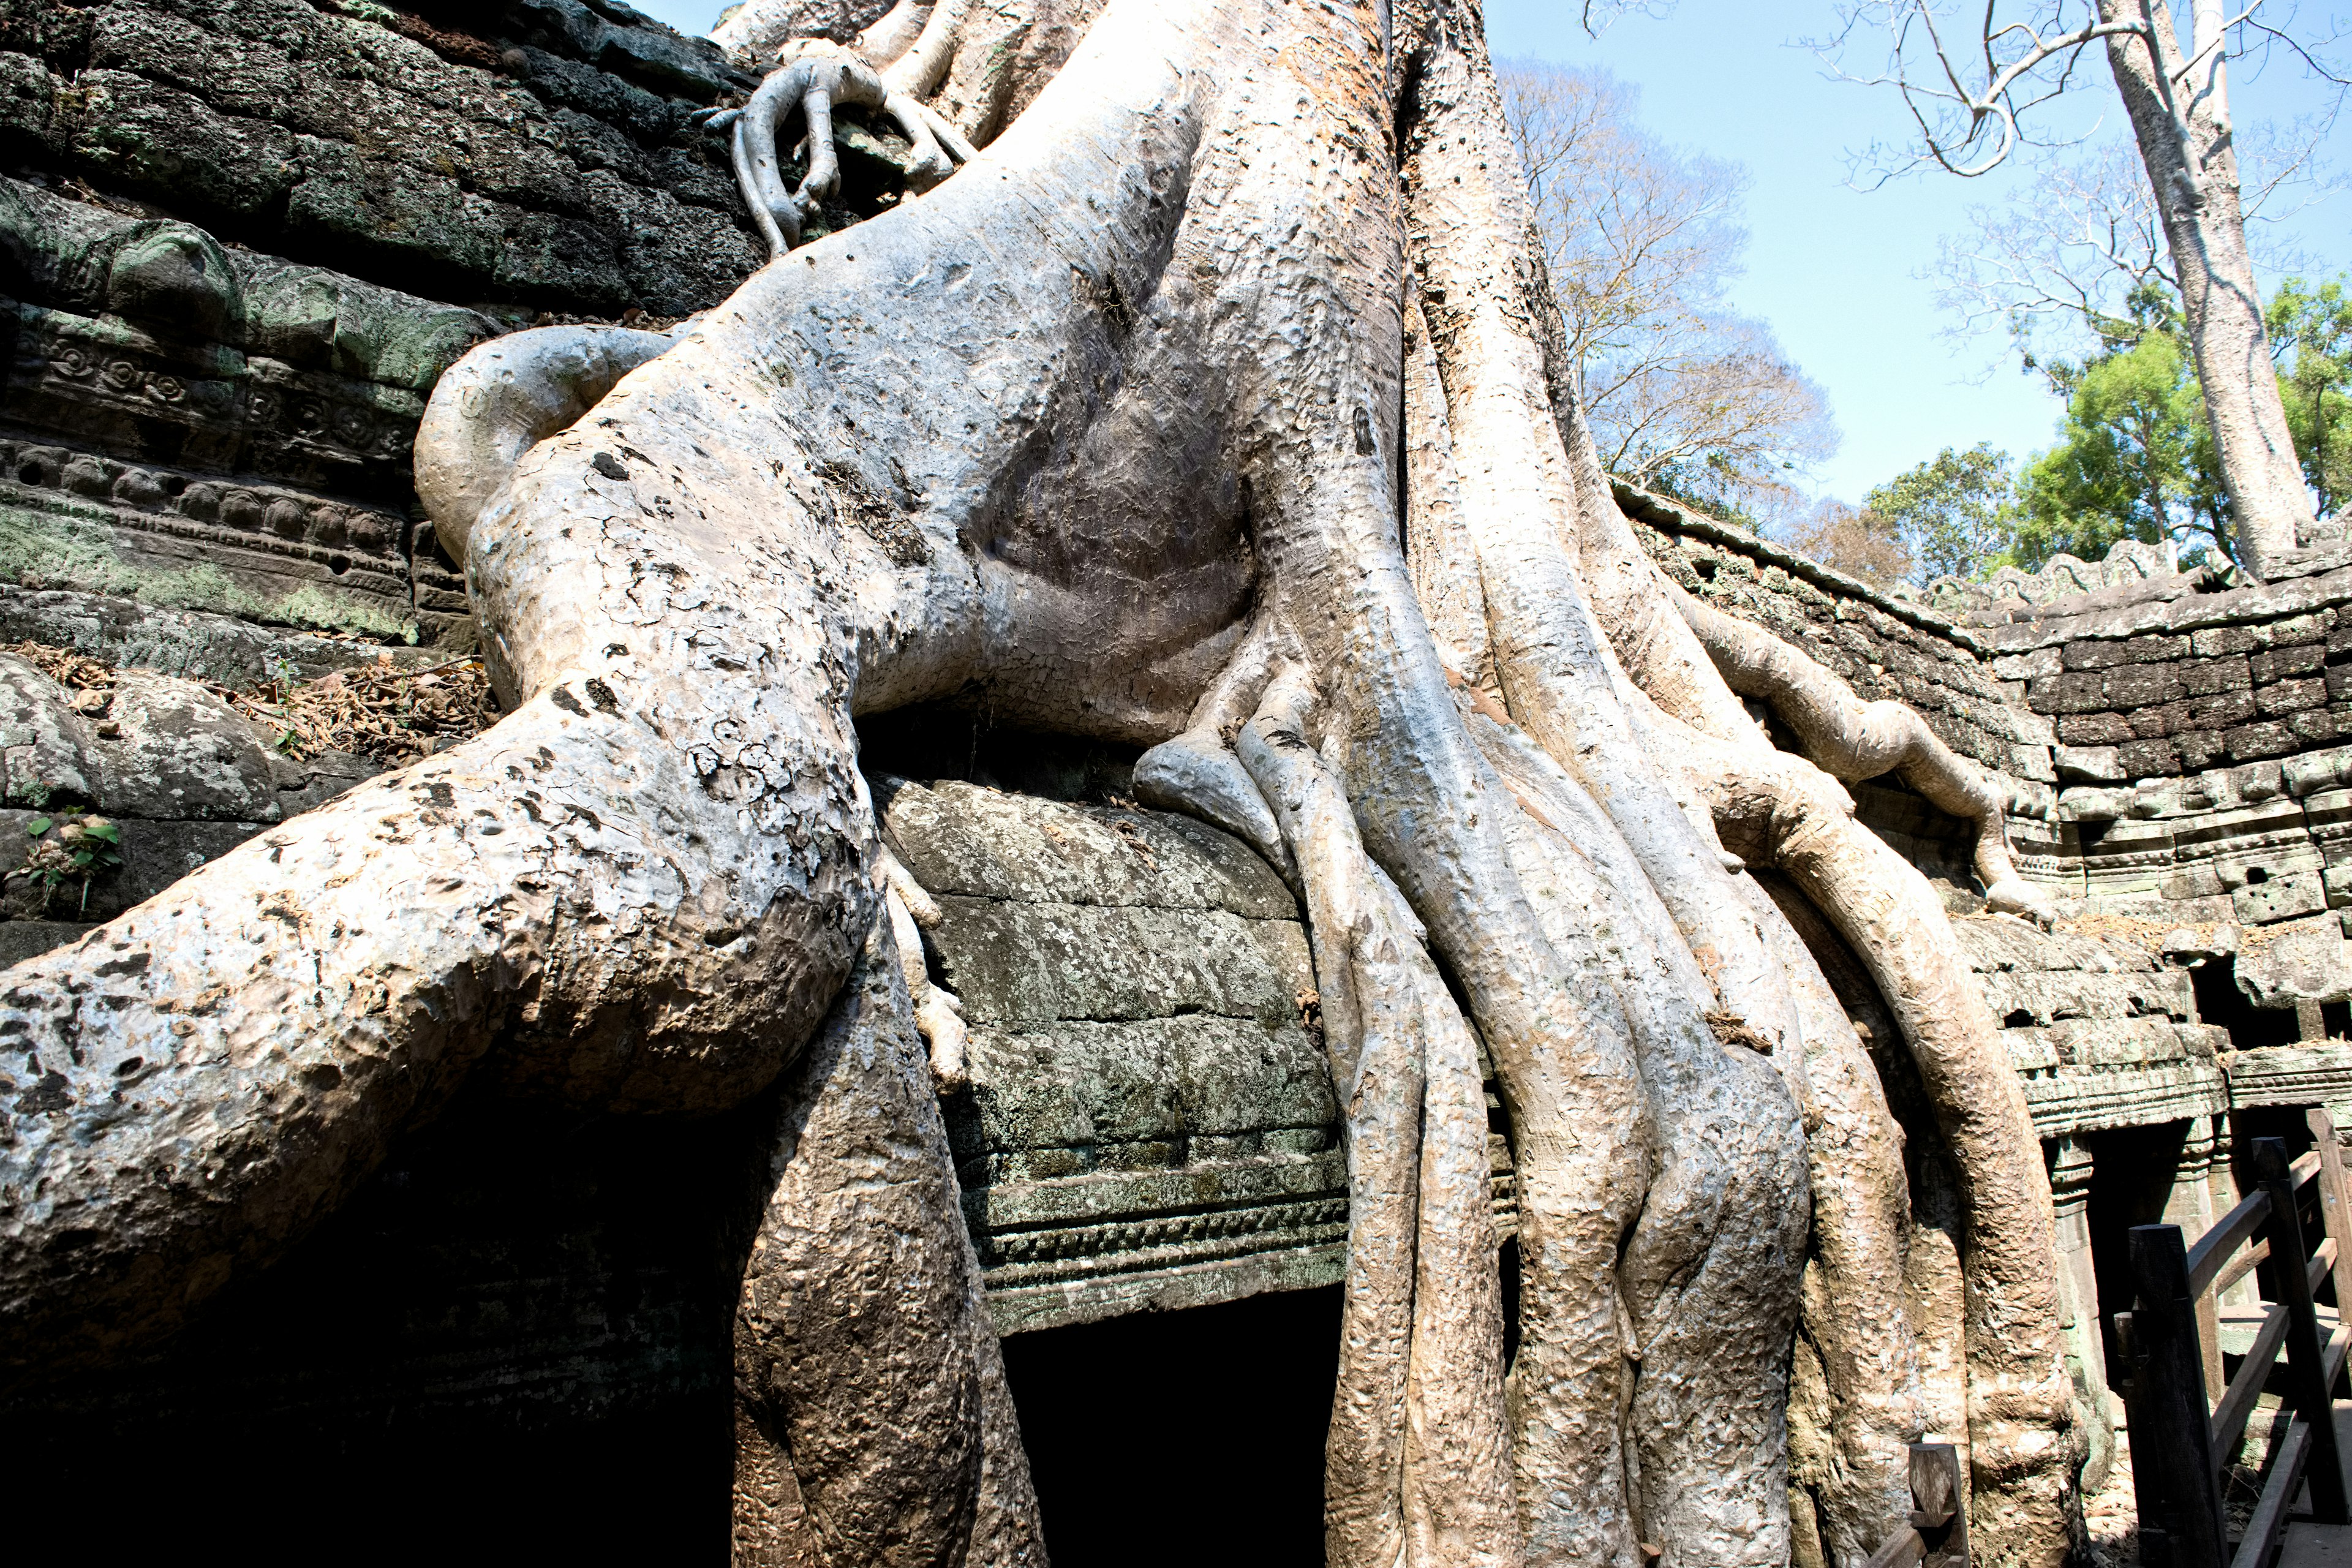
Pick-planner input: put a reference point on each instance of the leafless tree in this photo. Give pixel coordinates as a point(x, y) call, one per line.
point(1978, 84)
point(1853, 539)
point(1641, 241)
point(2056, 267)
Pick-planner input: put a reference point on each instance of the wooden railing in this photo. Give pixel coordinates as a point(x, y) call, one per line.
point(1937, 1536)
point(2187, 1425)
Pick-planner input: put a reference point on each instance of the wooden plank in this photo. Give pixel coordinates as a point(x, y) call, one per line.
point(2174, 1475)
point(2335, 1202)
point(1902, 1551)
point(2208, 1345)
point(1939, 1503)
point(2245, 1263)
point(2305, 1166)
point(2306, 1351)
point(2231, 1415)
point(2322, 1262)
point(2278, 1493)
point(2213, 1248)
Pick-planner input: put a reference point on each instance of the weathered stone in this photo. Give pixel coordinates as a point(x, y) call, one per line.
point(2076, 692)
point(2280, 899)
point(2089, 764)
point(2267, 739)
point(180, 752)
point(2223, 641)
point(2032, 665)
point(44, 743)
point(966, 839)
point(2096, 729)
point(2283, 663)
point(1016, 963)
point(2207, 676)
point(2308, 961)
point(2134, 686)
point(2089, 804)
point(2148, 759)
point(2285, 697)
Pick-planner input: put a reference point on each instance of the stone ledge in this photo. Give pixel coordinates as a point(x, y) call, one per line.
point(1016, 1310)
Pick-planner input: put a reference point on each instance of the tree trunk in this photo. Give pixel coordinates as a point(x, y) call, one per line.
point(1120, 429)
point(2181, 124)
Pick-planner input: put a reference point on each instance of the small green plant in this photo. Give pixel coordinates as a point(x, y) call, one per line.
point(72, 845)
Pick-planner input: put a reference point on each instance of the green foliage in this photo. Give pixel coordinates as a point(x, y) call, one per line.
point(2315, 325)
point(71, 846)
point(1953, 514)
point(2134, 459)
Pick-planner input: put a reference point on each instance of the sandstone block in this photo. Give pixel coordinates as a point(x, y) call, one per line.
point(2216, 642)
point(2221, 711)
point(2088, 764)
point(2135, 686)
point(2095, 729)
point(2282, 663)
point(2033, 665)
point(2280, 899)
point(2075, 691)
point(2267, 739)
point(2230, 672)
point(2290, 696)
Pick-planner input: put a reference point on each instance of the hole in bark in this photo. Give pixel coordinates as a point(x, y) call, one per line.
point(31, 474)
point(339, 564)
point(1218, 1425)
point(2019, 1020)
point(2256, 876)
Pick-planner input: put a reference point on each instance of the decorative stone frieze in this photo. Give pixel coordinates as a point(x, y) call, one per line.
point(1151, 1120)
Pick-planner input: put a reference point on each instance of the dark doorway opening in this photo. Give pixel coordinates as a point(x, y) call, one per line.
point(1181, 1437)
point(2219, 1001)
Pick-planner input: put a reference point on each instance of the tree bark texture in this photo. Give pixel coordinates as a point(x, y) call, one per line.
point(1205, 410)
point(2186, 142)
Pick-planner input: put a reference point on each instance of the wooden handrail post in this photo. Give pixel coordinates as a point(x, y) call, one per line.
point(1939, 1505)
point(2174, 1470)
point(2337, 1211)
point(2290, 1266)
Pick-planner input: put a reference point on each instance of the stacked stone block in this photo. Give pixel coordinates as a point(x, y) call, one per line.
point(1883, 647)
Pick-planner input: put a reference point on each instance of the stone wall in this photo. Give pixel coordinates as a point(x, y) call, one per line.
point(2095, 704)
point(241, 239)
point(1151, 1122)
point(1883, 647)
point(534, 151)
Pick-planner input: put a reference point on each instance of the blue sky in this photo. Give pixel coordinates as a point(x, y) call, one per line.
point(1835, 270)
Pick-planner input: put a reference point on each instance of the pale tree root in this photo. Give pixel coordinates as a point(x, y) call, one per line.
point(1523, 516)
point(1623, 873)
point(1852, 740)
point(1418, 1467)
point(1709, 1275)
point(1853, 1323)
point(873, 1424)
point(2024, 1443)
point(938, 1013)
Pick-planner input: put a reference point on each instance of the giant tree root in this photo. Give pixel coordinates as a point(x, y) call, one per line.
point(1105, 430)
point(1852, 740)
point(861, 1261)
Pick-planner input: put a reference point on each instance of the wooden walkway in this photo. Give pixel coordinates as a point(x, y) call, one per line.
point(2321, 1546)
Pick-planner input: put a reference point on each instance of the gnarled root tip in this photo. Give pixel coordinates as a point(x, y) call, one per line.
point(813, 76)
point(2016, 896)
point(938, 1014)
point(1197, 774)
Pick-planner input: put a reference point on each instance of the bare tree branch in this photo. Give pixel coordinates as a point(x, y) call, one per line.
point(1641, 241)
